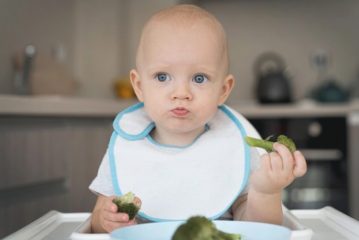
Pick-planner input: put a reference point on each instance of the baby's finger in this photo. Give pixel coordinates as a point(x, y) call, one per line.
point(276, 162)
point(287, 157)
point(110, 225)
point(300, 164)
point(116, 217)
point(110, 206)
point(265, 163)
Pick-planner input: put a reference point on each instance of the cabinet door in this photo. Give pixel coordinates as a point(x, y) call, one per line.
point(31, 151)
point(33, 170)
point(48, 164)
point(86, 145)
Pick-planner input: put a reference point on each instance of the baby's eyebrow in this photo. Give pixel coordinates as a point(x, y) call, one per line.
point(195, 69)
point(206, 70)
point(157, 67)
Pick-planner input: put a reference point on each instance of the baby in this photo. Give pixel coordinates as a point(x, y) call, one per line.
point(180, 150)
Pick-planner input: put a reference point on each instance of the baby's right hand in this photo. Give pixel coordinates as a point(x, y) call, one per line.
point(108, 217)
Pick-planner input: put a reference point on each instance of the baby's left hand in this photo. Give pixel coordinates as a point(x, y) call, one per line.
point(277, 170)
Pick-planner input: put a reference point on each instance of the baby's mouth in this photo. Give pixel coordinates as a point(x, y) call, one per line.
point(180, 112)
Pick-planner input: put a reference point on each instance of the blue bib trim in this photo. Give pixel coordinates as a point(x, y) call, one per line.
point(247, 152)
point(128, 136)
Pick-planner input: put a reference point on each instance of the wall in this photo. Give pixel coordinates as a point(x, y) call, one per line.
point(106, 39)
point(48, 24)
point(294, 29)
point(99, 44)
point(100, 37)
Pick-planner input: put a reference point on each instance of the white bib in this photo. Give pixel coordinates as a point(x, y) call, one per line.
point(174, 183)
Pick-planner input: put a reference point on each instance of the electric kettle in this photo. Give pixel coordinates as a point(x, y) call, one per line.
point(272, 83)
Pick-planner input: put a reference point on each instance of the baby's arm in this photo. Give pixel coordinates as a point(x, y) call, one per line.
point(277, 170)
point(105, 217)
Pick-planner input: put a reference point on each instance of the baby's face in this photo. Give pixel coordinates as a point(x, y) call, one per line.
point(181, 76)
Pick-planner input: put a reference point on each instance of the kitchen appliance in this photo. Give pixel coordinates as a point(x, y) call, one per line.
point(272, 83)
point(323, 141)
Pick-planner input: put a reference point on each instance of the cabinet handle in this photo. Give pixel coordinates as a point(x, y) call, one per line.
point(322, 154)
point(354, 119)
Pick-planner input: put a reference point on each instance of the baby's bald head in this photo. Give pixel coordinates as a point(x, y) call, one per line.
point(184, 19)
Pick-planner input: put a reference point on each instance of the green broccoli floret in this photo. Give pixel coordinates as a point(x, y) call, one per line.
point(125, 204)
point(201, 228)
point(268, 145)
point(228, 236)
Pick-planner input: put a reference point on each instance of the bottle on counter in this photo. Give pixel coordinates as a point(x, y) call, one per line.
point(23, 69)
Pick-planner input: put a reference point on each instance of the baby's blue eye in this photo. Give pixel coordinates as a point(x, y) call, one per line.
point(162, 77)
point(199, 78)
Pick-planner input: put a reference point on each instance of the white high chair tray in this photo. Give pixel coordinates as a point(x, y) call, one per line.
point(326, 223)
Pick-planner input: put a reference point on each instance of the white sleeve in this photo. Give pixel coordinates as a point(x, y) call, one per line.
point(102, 184)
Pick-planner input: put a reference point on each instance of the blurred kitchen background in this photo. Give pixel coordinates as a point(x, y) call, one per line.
point(64, 75)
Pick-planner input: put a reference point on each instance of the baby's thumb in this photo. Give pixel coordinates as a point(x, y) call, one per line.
point(137, 201)
point(300, 167)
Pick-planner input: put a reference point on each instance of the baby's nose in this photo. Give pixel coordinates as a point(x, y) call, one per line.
point(182, 91)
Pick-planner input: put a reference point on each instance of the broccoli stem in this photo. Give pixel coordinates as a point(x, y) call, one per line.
point(255, 142)
point(268, 145)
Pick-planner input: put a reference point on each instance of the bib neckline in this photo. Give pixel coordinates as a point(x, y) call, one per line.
point(171, 146)
point(133, 123)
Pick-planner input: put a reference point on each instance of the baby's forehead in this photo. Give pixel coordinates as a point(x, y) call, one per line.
point(177, 39)
point(185, 18)
point(197, 27)
point(182, 21)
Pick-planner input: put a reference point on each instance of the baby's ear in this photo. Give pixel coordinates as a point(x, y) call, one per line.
point(227, 87)
point(136, 84)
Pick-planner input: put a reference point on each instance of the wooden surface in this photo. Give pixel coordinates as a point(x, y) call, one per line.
point(53, 105)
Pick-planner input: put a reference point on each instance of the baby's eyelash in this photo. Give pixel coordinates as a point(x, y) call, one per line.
point(205, 75)
point(154, 75)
